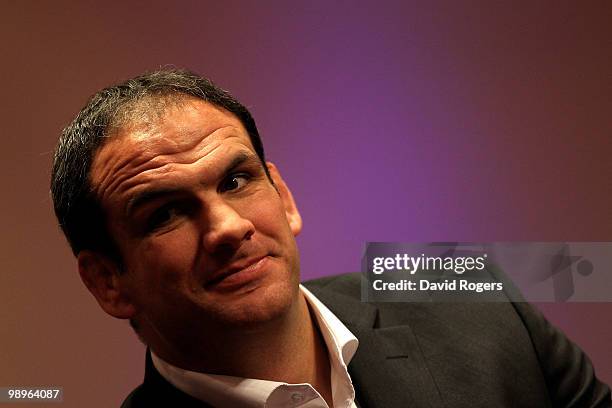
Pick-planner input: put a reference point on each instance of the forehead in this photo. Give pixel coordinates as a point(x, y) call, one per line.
point(183, 129)
point(147, 149)
point(178, 125)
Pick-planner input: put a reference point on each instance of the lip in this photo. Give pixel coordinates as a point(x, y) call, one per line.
point(238, 274)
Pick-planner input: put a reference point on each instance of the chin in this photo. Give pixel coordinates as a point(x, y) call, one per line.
point(259, 307)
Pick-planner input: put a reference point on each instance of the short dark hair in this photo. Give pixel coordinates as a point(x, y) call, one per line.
point(77, 208)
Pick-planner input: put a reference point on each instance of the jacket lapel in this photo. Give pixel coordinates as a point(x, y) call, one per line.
point(388, 369)
point(156, 391)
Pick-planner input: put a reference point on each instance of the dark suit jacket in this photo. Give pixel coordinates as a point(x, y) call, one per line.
point(440, 355)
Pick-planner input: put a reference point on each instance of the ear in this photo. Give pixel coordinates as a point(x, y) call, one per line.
point(104, 280)
point(291, 212)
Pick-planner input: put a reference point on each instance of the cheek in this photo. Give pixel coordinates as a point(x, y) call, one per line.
point(163, 260)
point(272, 223)
point(269, 219)
point(268, 214)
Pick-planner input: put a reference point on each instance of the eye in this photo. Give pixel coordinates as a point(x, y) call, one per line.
point(234, 182)
point(162, 216)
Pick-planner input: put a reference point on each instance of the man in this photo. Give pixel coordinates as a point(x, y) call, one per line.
point(180, 225)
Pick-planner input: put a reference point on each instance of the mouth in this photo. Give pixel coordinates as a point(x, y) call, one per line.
point(238, 274)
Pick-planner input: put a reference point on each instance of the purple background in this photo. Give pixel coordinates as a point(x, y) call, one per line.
point(393, 121)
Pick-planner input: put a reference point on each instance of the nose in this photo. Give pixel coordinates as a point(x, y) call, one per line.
point(226, 229)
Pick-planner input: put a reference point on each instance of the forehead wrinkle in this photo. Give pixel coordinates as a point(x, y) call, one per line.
point(210, 168)
point(234, 156)
point(200, 147)
point(155, 165)
point(112, 175)
point(157, 147)
point(146, 173)
point(127, 172)
point(180, 142)
point(193, 153)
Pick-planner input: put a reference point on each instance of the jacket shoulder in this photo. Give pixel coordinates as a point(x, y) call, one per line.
point(136, 398)
point(568, 371)
point(155, 391)
point(348, 284)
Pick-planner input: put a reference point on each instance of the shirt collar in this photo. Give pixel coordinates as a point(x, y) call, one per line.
point(341, 343)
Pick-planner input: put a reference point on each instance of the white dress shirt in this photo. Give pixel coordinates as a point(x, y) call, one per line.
point(236, 392)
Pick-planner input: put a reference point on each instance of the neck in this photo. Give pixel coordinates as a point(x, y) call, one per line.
point(289, 349)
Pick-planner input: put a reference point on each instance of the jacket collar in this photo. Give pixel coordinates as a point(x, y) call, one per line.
point(389, 368)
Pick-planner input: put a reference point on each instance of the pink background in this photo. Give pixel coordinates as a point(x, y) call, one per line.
point(400, 121)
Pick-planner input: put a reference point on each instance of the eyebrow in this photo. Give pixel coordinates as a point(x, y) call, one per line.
point(143, 197)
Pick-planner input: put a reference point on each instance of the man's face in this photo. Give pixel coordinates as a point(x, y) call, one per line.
point(205, 237)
